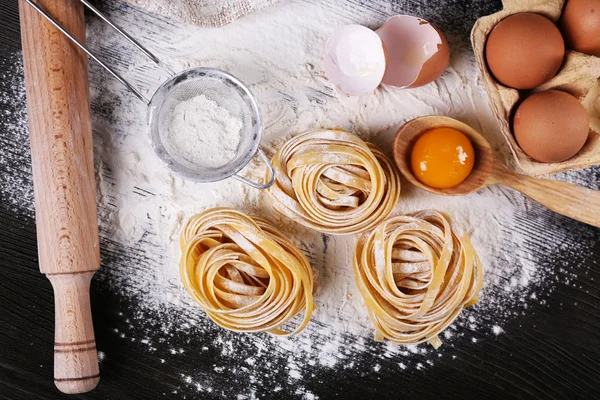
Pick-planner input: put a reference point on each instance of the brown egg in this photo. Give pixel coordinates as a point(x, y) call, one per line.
point(551, 126)
point(580, 25)
point(524, 50)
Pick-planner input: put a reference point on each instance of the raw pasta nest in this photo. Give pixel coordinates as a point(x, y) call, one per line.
point(333, 182)
point(416, 273)
point(244, 273)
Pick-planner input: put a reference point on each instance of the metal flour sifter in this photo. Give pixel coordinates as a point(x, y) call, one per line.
point(219, 86)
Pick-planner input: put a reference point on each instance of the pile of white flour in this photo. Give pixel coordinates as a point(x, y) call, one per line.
point(202, 134)
point(278, 52)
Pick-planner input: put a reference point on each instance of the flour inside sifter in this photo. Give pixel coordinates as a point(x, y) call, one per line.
point(202, 134)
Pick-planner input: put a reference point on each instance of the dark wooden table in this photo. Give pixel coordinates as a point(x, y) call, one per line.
point(551, 352)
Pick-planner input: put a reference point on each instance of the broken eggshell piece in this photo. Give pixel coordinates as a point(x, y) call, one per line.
point(417, 52)
point(355, 60)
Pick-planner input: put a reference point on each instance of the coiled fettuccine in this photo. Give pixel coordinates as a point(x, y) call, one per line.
point(333, 182)
point(416, 273)
point(244, 273)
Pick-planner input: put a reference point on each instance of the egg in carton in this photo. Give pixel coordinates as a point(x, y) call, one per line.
point(579, 75)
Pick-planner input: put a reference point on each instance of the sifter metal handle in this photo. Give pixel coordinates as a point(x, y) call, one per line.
point(93, 56)
point(267, 185)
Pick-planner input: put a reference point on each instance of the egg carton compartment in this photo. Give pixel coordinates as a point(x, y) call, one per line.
point(579, 75)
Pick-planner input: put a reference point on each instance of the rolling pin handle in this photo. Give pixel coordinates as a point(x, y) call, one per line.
point(76, 367)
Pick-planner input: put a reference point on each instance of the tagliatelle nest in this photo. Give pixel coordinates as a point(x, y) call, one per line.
point(244, 273)
point(416, 273)
point(333, 182)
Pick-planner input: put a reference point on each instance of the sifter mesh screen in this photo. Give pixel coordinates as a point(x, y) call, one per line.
point(227, 92)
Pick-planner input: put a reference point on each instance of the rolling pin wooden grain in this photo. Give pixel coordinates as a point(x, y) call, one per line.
point(56, 79)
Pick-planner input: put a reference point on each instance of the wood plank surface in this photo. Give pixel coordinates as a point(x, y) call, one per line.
point(551, 352)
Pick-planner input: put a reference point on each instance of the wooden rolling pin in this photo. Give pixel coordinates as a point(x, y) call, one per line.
point(58, 100)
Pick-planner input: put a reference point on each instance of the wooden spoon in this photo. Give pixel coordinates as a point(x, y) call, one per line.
point(573, 201)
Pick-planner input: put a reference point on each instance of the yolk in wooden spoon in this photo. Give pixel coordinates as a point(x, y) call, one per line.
point(442, 158)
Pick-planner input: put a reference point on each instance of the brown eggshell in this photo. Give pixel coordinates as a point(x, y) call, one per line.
point(580, 25)
point(551, 126)
point(524, 50)
point(417, 52)
point(436, 65)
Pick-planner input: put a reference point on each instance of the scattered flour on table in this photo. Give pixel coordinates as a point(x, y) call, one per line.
point(202, 134)
point(16, 187)
point(142, 206)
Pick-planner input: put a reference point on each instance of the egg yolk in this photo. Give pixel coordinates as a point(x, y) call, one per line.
point(442, 158)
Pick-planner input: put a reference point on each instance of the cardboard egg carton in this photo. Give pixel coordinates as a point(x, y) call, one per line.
point(579, 76)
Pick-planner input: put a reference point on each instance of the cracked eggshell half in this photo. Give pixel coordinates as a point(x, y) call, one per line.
point(355, 60)
point(417, 52)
